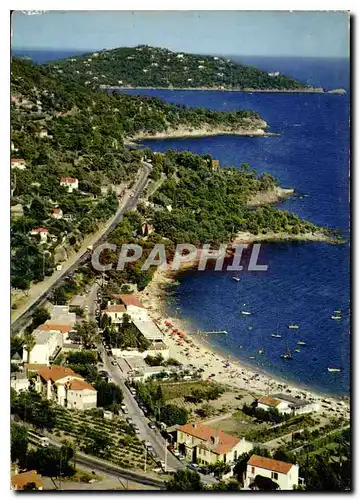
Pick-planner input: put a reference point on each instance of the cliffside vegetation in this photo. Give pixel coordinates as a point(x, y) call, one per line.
point(63, 129)
point(145, 66)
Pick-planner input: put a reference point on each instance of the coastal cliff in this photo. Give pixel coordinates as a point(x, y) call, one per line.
point(252, 128)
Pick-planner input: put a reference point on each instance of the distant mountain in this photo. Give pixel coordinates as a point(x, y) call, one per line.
point(145, 66)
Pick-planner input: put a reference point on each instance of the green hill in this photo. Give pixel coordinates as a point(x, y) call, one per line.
point(145, 66)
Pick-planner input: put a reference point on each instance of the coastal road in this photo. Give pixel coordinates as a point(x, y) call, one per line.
point(40, 291)
point(152, 436)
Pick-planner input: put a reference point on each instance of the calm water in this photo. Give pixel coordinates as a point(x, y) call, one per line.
point(305, 282)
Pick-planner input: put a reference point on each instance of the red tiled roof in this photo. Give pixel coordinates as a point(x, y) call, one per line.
point(80, 385)
point(266, 400)
point(40, 230)
point(130, 300)
point(269, 464)
point(18, 481)
point(56, 372)
point(57, 211)
point(54, 326)
point(17, 160)
point(115, 308)
point(68, 180)
point(223, 442)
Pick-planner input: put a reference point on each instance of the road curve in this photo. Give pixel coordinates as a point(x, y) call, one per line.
point(21, 316)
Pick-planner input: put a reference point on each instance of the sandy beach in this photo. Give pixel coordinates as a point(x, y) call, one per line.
point(202, 354)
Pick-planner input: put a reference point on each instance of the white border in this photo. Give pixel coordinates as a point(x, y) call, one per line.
point(5, 7)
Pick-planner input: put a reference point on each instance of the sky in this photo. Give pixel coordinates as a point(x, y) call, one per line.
point(297, 34)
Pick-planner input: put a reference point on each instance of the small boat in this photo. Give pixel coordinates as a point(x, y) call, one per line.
point(245, 313)
point(250, 327)
point(276, 335)
point(301, 342)
point(236, 278)
point(293, 326)
point(297, 350)
point(287, 355)
point(335, 317)
point(251, 357)
point(337, 311)
point(261, 351)
point(334, 370)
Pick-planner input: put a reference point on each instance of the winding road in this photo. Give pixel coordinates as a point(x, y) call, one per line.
point(40, 291)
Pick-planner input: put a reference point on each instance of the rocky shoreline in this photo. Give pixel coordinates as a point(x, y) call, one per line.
point(311, 90)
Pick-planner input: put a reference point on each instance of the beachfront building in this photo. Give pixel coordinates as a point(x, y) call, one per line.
point(70, 183)
point(65, 387)
point(48, 344)
point(284, 474)
point(18, 163)
point(203, 444)
point(268, 403)
point(20, 482)
point(286, 404)
point(133, 306)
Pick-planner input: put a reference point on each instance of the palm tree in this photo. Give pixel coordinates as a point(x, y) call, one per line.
point(29, 343)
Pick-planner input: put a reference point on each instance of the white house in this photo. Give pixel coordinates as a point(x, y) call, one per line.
point(267, 403)
point(54, 326)
point(57, 213)
point(48, 343)
point(133, 306)
point(203, 444)
point(42, 133)
point(284, 474)
point(65, 387)
point(115, 312)
point(42, 231)
point(287, 404)
point(18, 163)
point(19, 381)
point(70, 183)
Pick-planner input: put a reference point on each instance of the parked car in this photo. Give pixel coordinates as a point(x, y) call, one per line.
point(113, 363)
point(136, 429)
point(152, 425)
point(129, 420)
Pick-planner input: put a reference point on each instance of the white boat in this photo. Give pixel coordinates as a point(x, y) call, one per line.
point(335, 317)
point(293, 326)
point(334, 370)
point(245, 313)
point(301, 342)
point(236, 278)
point(337, 311)
point(276, 335)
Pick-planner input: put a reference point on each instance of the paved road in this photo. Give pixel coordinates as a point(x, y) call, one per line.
point(40, 291)
point(152, 436)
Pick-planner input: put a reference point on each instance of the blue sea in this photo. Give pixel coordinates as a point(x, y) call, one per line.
point(305, 282)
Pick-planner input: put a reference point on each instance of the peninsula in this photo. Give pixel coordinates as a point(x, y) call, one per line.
point(146, 67)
